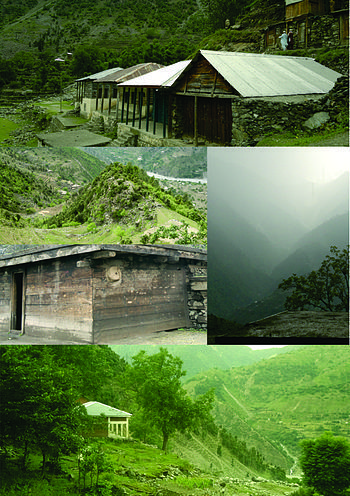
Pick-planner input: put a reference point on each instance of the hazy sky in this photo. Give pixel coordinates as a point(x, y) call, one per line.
point(318, 165)
point(263, 347)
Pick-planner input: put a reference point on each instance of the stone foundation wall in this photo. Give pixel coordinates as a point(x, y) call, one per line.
point(197, 295)
point(254, 118)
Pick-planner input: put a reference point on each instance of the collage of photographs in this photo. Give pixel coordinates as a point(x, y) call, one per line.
point(174, 248)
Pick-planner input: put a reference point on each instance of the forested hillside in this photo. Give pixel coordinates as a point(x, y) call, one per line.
point(66, 188)
point(284, 399)
point(187, 162)
point(236, 428)
point(199, 358)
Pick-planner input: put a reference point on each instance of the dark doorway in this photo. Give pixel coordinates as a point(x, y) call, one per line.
point(17, 301)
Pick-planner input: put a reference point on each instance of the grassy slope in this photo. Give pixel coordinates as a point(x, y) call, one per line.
point(285, 399)
point(139, 469)
point(57, 171)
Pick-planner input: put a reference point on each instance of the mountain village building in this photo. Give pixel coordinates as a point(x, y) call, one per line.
point(224, 97)
point(316, 23)
point(99, 294)
point(99, 92)
point(112, 423)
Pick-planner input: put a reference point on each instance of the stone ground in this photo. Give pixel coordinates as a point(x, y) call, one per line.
point(179, 336)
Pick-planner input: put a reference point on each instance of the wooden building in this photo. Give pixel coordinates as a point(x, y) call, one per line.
point(314, 23)
point(109, 421)
point(200, 101)
point(101, 293)
point(205, 96)
point(295, 8)
point(147, 97)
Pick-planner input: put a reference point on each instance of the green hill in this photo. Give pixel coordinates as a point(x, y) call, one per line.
point(277, 402)
point(59, 195)
point(199, 358)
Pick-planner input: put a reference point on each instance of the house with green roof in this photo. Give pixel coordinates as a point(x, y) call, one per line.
point(114, 423)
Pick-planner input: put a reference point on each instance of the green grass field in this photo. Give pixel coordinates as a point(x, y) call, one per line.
point(107, 234)
point(6, 126)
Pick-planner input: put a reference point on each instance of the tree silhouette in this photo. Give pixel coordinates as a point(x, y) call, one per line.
point(326, 288)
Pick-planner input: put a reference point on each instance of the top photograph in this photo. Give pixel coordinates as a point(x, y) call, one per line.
point(180, 73)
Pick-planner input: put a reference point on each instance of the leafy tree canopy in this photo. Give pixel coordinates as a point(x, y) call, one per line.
point(326, 464)
point(157, 380)
point(326, 288)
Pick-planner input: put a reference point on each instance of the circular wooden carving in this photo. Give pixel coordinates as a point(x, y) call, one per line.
point(114, 274)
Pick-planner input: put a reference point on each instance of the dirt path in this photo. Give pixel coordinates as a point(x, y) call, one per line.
point(188, 337)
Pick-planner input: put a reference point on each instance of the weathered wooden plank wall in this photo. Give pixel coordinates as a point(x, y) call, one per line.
point(316, 7)
point(203, 78)
point(59, 301)
point(143, 296)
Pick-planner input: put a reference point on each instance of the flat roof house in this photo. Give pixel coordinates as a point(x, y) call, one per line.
point(101, 293)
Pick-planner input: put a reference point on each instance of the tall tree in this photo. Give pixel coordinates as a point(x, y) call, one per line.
point(38, 403)
point(326, 464)
point(157, 381)
point(326, 288)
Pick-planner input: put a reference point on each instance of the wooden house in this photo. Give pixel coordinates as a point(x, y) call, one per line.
point(295, 8)
point(110, 422)
point(206, 93)
point(101, 293)
point(316, 23)
point(200, 102)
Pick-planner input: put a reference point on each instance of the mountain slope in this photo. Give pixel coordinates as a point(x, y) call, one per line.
point(198, 358)
point(116, 192)
point(279, 401)
point(188, 162)
point(313, 247)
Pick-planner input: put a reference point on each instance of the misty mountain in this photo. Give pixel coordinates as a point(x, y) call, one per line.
point(266, 203)
point(234, 276)
point(270, 215)
point(197, 359)
point(329, 200)
point(313, 247)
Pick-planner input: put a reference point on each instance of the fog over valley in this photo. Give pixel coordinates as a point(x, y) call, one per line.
point(271, 213)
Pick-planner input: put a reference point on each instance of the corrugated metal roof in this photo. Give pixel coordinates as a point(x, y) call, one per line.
point(131, 72)
point(163, 77)
point(99, 75)
point(94, 408)
point(256, 75)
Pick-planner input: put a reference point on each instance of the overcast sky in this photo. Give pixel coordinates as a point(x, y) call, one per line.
point(318, 165)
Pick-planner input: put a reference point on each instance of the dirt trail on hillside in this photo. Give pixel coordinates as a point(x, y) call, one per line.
point(238, 402)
